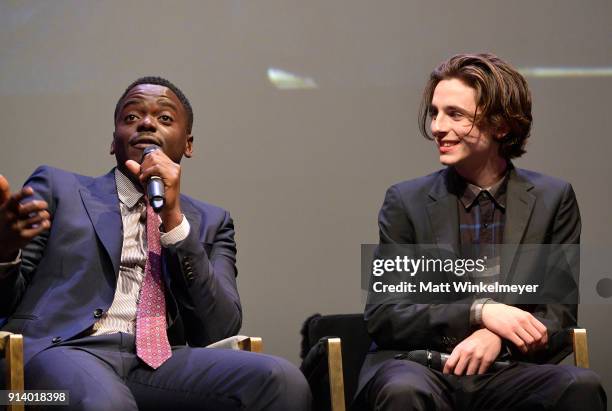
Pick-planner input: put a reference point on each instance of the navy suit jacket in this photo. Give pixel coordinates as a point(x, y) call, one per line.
point(539, 210)
point(69, 273)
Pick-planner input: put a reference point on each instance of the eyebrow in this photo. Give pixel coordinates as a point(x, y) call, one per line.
point(167, 103)
point(452, 107)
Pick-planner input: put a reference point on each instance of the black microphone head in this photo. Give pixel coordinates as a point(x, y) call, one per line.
point(419, 356)
point(149, 149)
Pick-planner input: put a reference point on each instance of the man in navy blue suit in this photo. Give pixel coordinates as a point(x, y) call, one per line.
point(116, 301)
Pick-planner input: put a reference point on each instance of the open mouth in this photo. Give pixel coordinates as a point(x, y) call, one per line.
point(143, 142)
point(449, 143)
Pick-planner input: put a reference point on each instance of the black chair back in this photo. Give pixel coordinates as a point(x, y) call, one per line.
point(355, 344)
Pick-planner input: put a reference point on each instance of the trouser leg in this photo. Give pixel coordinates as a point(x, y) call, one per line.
point(92, 384)
point(401, 385)
point(220, 379)
point(535, 387)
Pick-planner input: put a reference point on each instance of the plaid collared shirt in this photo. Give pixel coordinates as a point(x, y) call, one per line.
point(482, 216)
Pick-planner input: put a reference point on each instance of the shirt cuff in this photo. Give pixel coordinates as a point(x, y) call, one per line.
point(178, 233)
point(476, 311)
point(7, 268)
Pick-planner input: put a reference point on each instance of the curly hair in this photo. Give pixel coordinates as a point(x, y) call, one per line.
point(503, 99)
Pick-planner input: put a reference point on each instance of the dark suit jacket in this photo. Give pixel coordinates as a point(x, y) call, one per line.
point(70, 272)
point(539, 210)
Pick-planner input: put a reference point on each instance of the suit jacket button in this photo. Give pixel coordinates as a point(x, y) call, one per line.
point(98, 313)
point(55, 340)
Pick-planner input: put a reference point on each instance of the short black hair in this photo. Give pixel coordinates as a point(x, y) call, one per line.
point(160, 81)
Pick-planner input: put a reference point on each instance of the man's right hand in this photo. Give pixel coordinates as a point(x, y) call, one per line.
point(19, 223)
point(515, 325)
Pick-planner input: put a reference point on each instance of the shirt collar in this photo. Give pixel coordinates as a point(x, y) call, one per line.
point(496, 191)
point(126, 190)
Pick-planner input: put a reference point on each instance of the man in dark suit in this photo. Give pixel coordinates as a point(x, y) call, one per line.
point(479, 111)
point(114, 299)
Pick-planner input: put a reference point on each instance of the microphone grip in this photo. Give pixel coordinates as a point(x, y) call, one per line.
point(494, 367)
point(436, 360)
point(155, 185)
point(155, 193)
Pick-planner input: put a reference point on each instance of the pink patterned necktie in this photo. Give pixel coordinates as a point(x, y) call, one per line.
point(152, 344)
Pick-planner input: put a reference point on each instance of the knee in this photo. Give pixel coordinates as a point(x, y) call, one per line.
point(585, 381)
point(284, 382)
point(280, 372)
point(584, 388)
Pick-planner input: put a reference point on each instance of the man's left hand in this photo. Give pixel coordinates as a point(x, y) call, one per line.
point(475, 354)
point(156, 163)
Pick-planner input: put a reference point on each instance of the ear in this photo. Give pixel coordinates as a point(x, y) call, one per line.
point(112, 146)
point(189, 146)
point(501, 132)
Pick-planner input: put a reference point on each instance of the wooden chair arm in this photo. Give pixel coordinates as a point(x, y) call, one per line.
point(240, 342)
point(253, 344)
point(336, 376)
point(581, 347)
point(12, 347)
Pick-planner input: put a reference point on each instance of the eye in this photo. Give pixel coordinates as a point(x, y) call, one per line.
point(129, 118)
point(433, 114)
point(455, 115)
point(164, 118)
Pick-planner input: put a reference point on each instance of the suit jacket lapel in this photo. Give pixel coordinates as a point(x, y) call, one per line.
point(443, 216)
point(520, 204)
point(102, 205)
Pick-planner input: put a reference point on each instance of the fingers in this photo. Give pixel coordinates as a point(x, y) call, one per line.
point(451, 362)
point(13, 201)
point(484, 365)
point(133, 167)
point(516, 325)
point(168, 171)
point(146, 173)
point(465, 363)
point(34, 220)
point(532, 333)
point(156, 163)
point(535, 334)
point(34, 206)
point(5, 189)
point(518, 342)
point(526, 340)
point(461, 364)
point(473, 365)
point(542, 329)
point(30, 233)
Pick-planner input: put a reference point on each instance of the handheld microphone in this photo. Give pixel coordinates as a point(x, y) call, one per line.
point(436, 360)
point(155, 185)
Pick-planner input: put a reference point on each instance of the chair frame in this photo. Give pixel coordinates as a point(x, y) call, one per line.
point(12, 347)
point(336, 378)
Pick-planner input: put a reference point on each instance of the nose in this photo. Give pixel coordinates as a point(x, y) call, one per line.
point(439, 125)
point(146, 124)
